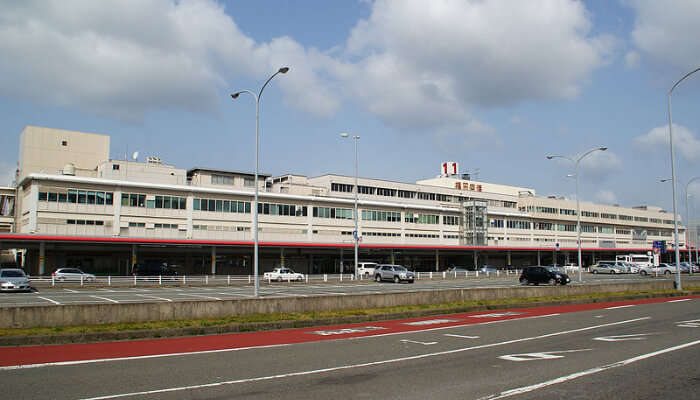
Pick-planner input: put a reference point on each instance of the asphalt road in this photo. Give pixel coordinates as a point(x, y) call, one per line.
point(74, 294)
point(643, 349)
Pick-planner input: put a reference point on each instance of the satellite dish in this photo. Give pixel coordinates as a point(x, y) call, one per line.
point(135, 156)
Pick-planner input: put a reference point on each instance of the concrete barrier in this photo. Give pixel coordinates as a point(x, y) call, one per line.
point(95, 314)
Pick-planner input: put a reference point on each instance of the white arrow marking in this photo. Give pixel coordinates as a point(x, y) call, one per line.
point(689, 324)
point(549, 355)
point(622, 338)
point(413, 341)
point(462, 336)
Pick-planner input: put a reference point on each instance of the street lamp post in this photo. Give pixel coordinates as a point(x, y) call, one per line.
point(673, 178)
point(356, 233)
point(282, 70)
point(578, 207)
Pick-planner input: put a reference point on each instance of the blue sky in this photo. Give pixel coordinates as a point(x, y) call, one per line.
point(493, 85)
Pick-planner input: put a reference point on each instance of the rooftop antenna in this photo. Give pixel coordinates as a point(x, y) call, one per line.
point(135, 156)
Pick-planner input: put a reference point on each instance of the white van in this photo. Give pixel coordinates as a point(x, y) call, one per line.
point(366, 268)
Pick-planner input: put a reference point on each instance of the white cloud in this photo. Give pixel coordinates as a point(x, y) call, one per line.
point(419, 66)
point(126, 58)
point(668, 31)
point(606, 197)
point(684, 141)
point(632, 59)
point(427, 63)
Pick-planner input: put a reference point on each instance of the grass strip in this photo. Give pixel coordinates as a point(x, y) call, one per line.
point(373, 313)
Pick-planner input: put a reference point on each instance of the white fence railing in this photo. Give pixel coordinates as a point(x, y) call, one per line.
point(231, 280)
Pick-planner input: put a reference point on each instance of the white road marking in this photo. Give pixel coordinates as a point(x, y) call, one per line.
point(47, 299)
point(496, 315)
point(678, 301)
point(462, 336)
point(149, 296)
point(622, 338)
point(616, 307)
point(430, 322)
point(547, 355)
point(689, 324)
point(526, 389)
point(105, 298)
point(330, 369)
point(416, 342)
point(71, 290)
point(201, 296)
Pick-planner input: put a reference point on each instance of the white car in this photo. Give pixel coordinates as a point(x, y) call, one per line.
point(366, 268)
point(283, 274)
point(72, 274)
point(662, 269)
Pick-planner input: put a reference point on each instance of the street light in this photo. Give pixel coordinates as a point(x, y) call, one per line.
point(673, 177)
point(282, 70)
point(578, 207)
point(356, 233)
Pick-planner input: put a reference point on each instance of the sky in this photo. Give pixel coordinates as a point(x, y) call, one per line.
point(493, 85)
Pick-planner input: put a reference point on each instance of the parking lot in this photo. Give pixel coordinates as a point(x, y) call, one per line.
point(199, 288)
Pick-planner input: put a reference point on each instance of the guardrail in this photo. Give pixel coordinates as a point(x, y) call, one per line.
point(228, 280)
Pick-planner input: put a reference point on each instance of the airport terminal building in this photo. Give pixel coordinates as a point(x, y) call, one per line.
point(74, 206)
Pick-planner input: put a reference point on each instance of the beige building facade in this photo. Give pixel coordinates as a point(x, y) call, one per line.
point(150, 203)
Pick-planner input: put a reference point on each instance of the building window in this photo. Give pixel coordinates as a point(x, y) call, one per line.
point(115, 167)
point(64, 143)
point(222, 180)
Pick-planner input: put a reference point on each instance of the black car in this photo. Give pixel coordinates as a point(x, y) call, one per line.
point(539, 274)
point(152, 269)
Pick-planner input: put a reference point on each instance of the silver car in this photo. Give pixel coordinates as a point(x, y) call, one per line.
point(396, 273)
point(72, 274)
point(14, 280)
point(606, 269)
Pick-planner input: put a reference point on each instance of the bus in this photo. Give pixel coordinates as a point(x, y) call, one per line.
point(642, 260)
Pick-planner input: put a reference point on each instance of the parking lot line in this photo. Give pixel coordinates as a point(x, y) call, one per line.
point(154, 297)
point(105, 298)
point(47, 299)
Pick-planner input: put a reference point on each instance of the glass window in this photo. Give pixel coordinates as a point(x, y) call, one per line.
point(205, 204)
point(89, 222)
point(109, 198)
point(125, 199)
point(227, 206)
point(52, 196)
point(72, 196)
point(183, 203)
point(150, 204)
point(99, 223)
point(247, 207)
point(70, 222)
point(42, 196)
point(142, 200)
point(166, 202)
point(80, 222)
point(82, 197)
point(134, 200)
point(219, 205)
point(159, 201)
point(195, 204)
point(91, 197)
point(100, 197)
point(212, 205)
point(62, 197)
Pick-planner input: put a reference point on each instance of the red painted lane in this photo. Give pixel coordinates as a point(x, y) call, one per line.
point(27, 355)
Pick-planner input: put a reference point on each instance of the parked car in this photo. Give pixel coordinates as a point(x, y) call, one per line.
point(539, 274)
point(283, 274)
point(663, 268)
point(72, 274)
point(488, 269)
point(396, 273)
point(14, 280)
point(601, 268)
point(366, 268)
point(152, 269)
point(687, 267)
